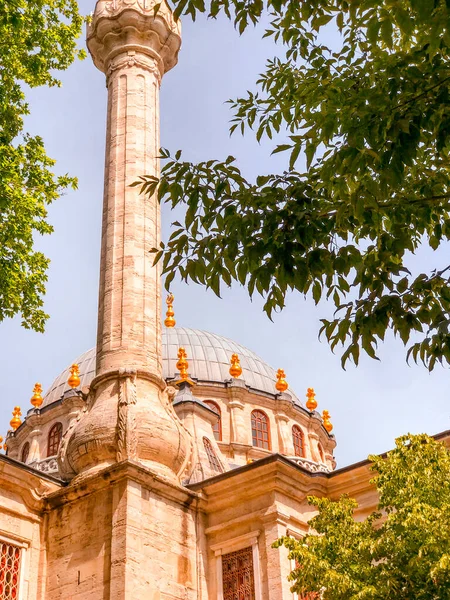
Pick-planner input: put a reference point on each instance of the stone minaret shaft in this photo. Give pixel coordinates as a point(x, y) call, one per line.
point(129, 300)
point(134, 48)
point(129, 415)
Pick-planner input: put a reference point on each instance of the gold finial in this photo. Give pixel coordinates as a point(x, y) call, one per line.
point(235, 369)
point(169, 320)
point(281, 384)
point(36, 398)
point(311, 403)
point(326, 421)
point(16, 421)
point(182, 364)
point(74, 379)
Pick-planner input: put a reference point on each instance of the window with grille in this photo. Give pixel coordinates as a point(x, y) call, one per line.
point(260, 430)
point(9, 571)
point(214, 462)
point(238, 579)
point(25, 452)
point(299, 441)
point(54, 439)
point(217, 427)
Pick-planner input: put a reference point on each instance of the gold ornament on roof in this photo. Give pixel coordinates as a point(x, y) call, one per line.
point(182, 364)
point(36, 398)
point(311, 403)
point(326, 421)
point(16, 421)
point(235, 369)
point(281, 384)
point(74, 379)
point(169, 320)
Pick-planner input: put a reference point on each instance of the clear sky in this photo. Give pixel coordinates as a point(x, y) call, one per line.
point(370, 405)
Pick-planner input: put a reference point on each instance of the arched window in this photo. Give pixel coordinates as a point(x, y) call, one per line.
point(299, 441)
point(25, 452)
point(54, 439)
point(217, 427)
point(260, 430)
point(214, 462)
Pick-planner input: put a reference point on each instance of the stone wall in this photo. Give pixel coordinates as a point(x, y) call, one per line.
point(124, 533)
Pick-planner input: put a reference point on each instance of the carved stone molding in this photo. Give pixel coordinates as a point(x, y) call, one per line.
point(111, 8)
point(131, 59)
point(47, 465)
point(120, 26)
point(309, 465)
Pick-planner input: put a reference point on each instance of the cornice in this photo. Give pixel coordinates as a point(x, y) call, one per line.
point(125, 470)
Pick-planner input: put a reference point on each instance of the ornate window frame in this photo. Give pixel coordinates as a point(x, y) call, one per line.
point(255, 420)
point(55, 430)
point(23, 545)
point(238, 543)
point(298, 441)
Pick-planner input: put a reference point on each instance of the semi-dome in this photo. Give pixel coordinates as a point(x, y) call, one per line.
point(209, 361)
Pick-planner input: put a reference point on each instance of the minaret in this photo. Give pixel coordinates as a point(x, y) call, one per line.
point(129, 413)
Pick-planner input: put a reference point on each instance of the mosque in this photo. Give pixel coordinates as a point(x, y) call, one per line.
point(164, 462)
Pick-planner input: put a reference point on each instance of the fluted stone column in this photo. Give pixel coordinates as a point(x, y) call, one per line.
point(129, 411)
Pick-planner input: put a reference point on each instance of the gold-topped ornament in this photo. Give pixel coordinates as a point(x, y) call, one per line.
point(169, 320)
point(235, 369)
point(16, 421)
point(37, 399)
point(74, 379)
point(182, 364)
point(281, 384)
point(311, 403)
point(326, 421)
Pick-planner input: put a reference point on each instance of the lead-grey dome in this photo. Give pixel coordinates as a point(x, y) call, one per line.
point(208, 356)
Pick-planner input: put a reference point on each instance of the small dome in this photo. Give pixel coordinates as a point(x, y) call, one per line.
point(208, 355)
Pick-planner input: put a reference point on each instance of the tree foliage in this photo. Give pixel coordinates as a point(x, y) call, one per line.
point(37, 38)
point(372, 118)
point(404, 555)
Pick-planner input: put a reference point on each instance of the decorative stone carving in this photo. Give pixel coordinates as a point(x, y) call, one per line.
point(131, 417)
point(126, 422)
point(47, 465)
point(118, 26)
point(310, 465)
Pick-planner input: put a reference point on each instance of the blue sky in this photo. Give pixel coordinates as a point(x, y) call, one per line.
point(370, 405)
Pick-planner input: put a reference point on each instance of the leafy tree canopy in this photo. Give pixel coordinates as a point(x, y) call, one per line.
point(406, 555)
point(372, 118)
point(37, 38)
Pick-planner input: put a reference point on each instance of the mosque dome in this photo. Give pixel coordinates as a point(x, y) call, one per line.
point(208, 356)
